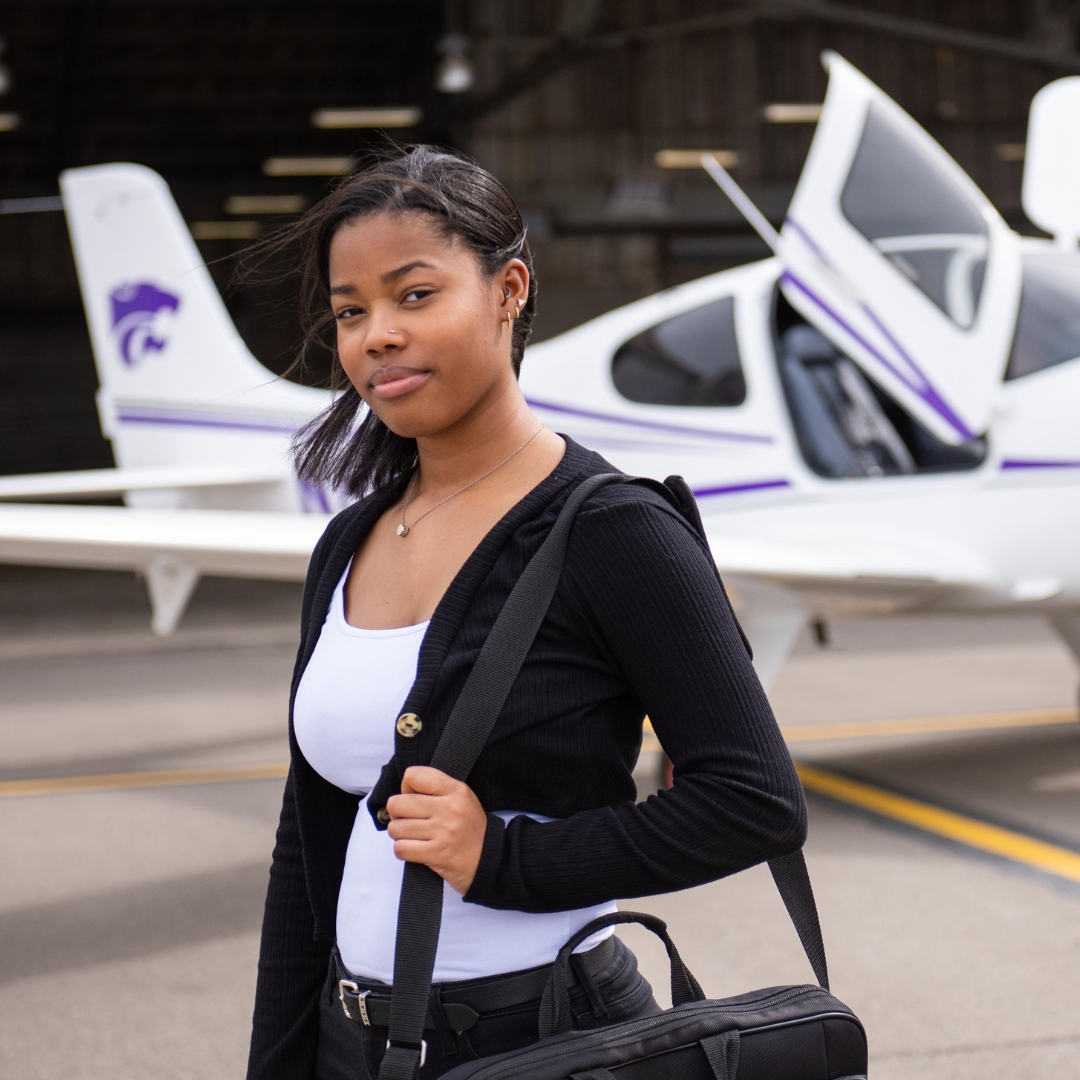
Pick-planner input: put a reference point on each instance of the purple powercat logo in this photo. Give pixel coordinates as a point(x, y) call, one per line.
point(140, 316)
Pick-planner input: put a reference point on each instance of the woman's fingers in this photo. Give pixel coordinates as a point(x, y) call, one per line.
point(438, 821)
point(413, 851)
point(406, 828)
point(424, 780)
point(412, 806)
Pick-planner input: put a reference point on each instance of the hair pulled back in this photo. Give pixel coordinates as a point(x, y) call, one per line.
point(466, 202)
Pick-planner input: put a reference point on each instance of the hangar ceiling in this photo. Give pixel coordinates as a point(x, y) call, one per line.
point(202, 91)
point(569, 104)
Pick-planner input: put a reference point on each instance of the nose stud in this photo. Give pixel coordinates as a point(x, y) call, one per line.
point(391, 331)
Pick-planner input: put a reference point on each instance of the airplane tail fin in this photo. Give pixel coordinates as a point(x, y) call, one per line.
point(166, 350)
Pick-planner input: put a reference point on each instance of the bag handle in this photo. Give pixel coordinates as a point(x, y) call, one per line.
point(555, 1014)
point(467, 730)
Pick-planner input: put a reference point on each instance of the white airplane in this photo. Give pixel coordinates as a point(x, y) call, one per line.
point(879, 418)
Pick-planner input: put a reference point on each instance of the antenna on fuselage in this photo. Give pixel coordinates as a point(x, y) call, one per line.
point(758, 221)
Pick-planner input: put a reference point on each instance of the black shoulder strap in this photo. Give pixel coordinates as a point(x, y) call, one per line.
point(467, 730)
point(496, 668)
point(793, 883)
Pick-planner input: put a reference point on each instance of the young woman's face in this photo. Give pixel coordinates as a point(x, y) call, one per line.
point(421, 329)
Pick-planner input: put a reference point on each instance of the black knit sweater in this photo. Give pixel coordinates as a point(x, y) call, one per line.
point(639, 625)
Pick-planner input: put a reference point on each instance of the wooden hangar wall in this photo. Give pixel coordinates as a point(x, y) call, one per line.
point(578, 148)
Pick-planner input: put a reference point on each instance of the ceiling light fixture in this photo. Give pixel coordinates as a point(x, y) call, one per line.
point(36, 204)
point(791, 113)
point(266, 204)
point(224, 230)
point(1010, 151)
point(306, 166)
point(691, 159)
point(455, 73)
point(404, 117)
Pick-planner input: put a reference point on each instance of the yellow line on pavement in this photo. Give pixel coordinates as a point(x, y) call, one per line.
point(928, 725)
point(933, 819)
point(68, 785)
point(845, 729)
point(916, 725)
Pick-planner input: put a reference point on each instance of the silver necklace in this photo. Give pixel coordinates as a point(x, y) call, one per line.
point(403, 529)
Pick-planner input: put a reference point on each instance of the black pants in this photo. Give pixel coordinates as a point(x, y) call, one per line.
point(602, 994)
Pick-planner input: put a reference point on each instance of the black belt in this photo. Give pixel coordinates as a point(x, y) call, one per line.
point(462, 1003)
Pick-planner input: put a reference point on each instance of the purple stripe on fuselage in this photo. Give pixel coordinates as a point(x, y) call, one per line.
point(1011, 463)
point(809, 241)
point(641, 442)
point(652, 425)
point(147, 416)
point(735, 489)
point(926, 391)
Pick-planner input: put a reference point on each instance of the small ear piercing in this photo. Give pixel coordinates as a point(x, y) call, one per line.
point(510, 318)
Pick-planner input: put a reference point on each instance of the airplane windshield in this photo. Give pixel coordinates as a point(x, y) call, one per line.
point(1048, 327)
point(914, 213)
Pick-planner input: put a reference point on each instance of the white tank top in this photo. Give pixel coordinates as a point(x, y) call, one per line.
point(346, 704)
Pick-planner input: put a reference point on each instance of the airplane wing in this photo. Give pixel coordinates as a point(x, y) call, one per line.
point(846, 559)
point(239, 543)
point(230, 543)
point(94, 483)
point(771, 579)
point(171, 548)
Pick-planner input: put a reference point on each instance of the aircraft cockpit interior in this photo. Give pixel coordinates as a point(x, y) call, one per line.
point(846, 425)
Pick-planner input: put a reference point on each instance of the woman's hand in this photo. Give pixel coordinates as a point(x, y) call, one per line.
point(439, 822)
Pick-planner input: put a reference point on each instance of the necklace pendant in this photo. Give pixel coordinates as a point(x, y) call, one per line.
point(403, 529)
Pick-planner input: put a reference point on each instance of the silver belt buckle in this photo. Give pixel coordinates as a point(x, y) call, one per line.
point(361, 1003)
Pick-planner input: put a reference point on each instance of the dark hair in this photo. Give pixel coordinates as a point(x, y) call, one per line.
point(466, 202)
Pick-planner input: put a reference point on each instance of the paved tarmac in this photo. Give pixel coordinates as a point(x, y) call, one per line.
point(129, 918)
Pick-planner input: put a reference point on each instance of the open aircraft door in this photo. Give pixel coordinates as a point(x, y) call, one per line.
point(891, 251)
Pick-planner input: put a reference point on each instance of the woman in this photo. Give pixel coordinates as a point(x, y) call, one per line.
point(419, 276)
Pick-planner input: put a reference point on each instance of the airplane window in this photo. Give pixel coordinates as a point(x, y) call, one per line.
point(1048, 328)
point(913, 212)
point(691, 359)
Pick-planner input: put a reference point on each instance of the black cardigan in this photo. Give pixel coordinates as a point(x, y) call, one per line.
point(639, 625)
